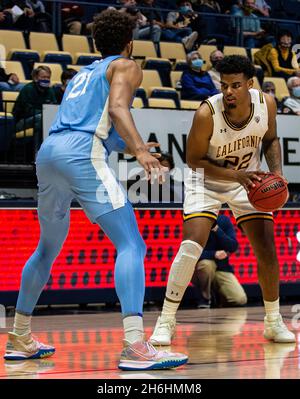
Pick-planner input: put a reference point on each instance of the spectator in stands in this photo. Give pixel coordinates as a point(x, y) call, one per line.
point(282, 59)
point(213, 270)
point(211, 6)
point(9, 82)
point(261, 8)
point(6, 21)
point(252, 32)
point(27, 110)
point(22, 16)
point(196, 83)
point(269, 88)
point(72, 18)
point(215, 57)
point(293, 102)
point(41, 18)
point(65, 78)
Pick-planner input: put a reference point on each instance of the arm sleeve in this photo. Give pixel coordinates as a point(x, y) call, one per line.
point(208, 254)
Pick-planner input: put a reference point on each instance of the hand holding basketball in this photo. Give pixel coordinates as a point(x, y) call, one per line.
point(269, 194)
point(248, 179)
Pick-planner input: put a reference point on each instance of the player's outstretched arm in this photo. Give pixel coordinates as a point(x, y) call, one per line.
point(197, 148)
point(271, 144)
point(125, 77)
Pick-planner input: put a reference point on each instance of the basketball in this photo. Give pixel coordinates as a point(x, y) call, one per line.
point(270, 194)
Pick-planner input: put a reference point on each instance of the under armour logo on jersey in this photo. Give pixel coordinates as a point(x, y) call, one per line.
point(257, 119)
point(223, 130)
point(172, 293)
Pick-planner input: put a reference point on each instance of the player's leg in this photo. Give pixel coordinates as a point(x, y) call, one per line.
point(53, 213)
point(229, 288)
point(260, 233)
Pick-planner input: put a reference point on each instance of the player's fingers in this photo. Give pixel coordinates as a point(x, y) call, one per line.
point(255, 176)
point(156, 155)
point(152, 144)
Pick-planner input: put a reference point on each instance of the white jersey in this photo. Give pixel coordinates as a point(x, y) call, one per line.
point(237, 147)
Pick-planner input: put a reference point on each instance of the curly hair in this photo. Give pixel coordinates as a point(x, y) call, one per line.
point(233, 64)
point(112, 31)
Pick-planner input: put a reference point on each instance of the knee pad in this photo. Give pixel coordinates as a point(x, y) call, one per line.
point(184, 263)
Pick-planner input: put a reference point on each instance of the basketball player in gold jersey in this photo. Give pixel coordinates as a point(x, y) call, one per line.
point(224, 141)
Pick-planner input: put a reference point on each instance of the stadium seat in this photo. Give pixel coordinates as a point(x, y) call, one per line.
point(232, 50)
point(187, 104)
point(86, 58)
point(280, 86)
point(76, 67)
point(150, 79)
point(162, 65)
point(28, 132)
point(137, 103)
point(172, 51)
point(141, 93)
point(9, 99)
point(176, 79)
point(143, 49)
point(75, 44)
point(164, 92)
point(46, 45)
point(15, 67)
point(253, 51)
point(205, 51)
point(161, 103)
point(56, 71)
point(180, 65)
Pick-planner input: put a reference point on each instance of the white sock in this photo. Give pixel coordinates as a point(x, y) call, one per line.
point(133, 329)
point(272, 310)
point(22, 324)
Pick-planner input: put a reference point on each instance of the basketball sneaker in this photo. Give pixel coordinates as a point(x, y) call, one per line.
point(143, 356)
point(163, 331)
point(23, 347)
point(277, 331)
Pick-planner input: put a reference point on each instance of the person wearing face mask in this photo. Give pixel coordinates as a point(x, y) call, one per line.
point(269, 88)
point(65, 78)
point(27, 110)
point(196, 83)
point(215, 57)
point(282, 59)
point(253, 34)
point(293, 102)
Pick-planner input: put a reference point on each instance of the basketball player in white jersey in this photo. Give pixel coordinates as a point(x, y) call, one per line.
point(224, 141)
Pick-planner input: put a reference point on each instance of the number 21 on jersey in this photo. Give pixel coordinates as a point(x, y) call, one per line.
point(81, 82)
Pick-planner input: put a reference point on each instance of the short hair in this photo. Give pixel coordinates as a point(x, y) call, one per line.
point(267, 85)
point(233, 64)
point(112, 31)
point(284, 32)
point(67, 74)
point(190, 55)
point(290, 81)
point(37, 70)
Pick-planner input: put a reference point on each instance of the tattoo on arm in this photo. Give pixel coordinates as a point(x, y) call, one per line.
point(272, 151)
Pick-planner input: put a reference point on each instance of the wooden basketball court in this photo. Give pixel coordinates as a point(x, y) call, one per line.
point(221, 343)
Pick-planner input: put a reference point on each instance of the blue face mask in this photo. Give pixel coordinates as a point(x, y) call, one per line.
point(197, 64)
point(184, 9)
point(296, 91)
point(44, 82)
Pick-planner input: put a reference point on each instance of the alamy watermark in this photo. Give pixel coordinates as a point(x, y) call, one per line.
point(2, 316)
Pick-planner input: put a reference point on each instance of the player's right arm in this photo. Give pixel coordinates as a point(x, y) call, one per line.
point(197, 148)
point(125, 77)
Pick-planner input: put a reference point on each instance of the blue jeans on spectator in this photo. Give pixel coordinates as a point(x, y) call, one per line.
point(148, 32)
point(176, 35)
point(4, 86)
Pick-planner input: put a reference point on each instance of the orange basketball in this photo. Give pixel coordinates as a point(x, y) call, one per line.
point(269, 194)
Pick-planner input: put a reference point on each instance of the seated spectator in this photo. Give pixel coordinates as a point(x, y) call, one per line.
point(72, 18)
point(27, 110)
point(24, 18)
point(177, 27)
point(6, 21)
point(282, 59)
point(269, 88)
point(196, 84)
point(293, 102)
point(215, 57)
point(261, 8)
point(65, 78)
point(211, 6)
point(213, 271)
point(252, 32)
point(9, 82)
point(42, 19)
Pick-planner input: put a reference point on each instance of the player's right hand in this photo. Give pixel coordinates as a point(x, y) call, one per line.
point(247, 179)
point(152, 166)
